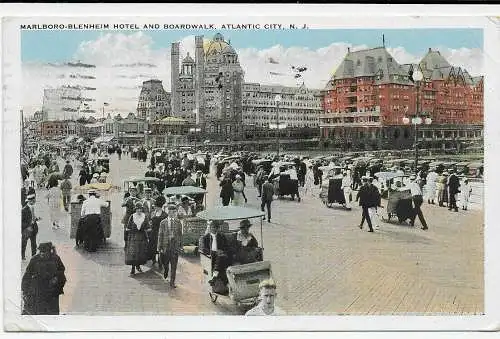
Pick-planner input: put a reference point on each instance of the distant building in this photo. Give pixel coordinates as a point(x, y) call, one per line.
point(170, 132)
point(154, 101)
point(298, 111)
point(207, 90)
point(59, 128)
point(61, 103)
point(367, 98)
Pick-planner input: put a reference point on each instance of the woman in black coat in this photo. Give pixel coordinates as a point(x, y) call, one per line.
point(227, 191)
point(156, 217)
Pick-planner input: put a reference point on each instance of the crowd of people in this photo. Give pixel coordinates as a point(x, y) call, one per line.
point(152, 221)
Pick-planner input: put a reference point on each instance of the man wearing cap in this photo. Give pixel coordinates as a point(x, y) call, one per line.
point(91, 213)
point(453, 190)
point(170, 243)
point(416, 194)
point(267, 297)
point(43, 282)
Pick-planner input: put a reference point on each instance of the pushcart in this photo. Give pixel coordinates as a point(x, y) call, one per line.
point(244, 279)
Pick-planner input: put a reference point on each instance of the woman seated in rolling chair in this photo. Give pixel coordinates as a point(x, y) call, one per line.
point(247, 250)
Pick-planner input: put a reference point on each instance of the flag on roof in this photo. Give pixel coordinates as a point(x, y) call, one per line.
point(106, 104)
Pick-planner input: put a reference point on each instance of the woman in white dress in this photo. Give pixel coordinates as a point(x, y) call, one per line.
point(54, 197)
point(309, 182)
point(432, 176)
point(465, 192)
point(239, 192)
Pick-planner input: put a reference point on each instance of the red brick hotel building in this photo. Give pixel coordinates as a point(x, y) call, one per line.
point(365, 101)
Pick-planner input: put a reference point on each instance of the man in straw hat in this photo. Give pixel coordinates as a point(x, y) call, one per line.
point(170, 243)
point(267, 297)
point(29, 226)
point(416, 194)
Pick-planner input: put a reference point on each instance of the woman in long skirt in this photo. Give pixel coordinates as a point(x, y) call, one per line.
point(129, 202)
point(54, 197)
point(309, 182)
point(156, 217)
point(136, 247)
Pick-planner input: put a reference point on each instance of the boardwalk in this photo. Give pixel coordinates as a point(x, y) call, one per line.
point(323, 263)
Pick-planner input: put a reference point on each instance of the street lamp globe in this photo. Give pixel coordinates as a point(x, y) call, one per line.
point(417, 120)
point(277, 98)
point(406, 120)
point(417, 75)
point(428, 121)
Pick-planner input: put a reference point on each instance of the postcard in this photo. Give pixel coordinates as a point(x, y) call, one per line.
point(321, 169)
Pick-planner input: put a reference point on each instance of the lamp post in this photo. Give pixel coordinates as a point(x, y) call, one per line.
point(417, 120)
point(195, 131)
point(277, 100)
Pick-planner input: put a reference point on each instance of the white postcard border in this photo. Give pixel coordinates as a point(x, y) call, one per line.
point(320, 17)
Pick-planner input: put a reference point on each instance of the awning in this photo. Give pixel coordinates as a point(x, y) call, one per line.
point(103, 139)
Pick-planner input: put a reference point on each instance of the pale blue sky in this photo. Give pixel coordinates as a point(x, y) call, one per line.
point(61, 45)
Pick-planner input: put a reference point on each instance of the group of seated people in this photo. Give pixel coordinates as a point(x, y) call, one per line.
point(227, 249)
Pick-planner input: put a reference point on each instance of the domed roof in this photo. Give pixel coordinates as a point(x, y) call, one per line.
point(218, 46)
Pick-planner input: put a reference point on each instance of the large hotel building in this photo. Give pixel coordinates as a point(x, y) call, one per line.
point(369, 95)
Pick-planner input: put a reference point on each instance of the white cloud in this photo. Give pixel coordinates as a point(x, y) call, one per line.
point(120, 86)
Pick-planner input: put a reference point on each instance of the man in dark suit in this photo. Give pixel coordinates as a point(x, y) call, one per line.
point(366, 200)
point(216, 245)
point(453, 190)
point(170, 243)
point(267, 197)
point(29, 226)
